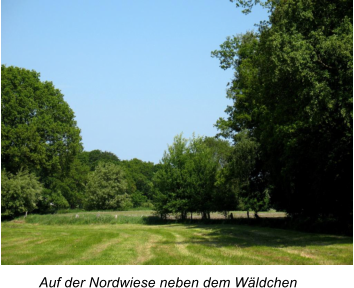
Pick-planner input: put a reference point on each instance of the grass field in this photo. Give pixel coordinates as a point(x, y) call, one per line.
point(33, 243)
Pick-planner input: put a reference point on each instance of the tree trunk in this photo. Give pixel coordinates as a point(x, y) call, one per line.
point(248, 214)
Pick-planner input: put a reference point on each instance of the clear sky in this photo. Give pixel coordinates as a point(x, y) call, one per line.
point(135, 72)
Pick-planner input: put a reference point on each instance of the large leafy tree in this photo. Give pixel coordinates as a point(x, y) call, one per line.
point(292, 91)
point(64, 190)
point(38, 130)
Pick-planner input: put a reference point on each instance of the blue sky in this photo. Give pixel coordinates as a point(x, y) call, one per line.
point(136, 73)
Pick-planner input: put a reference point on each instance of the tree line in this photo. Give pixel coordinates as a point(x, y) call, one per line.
point(44, 167)
point(286, 142)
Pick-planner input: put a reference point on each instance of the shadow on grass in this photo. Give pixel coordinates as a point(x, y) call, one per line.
point(241, 238)
point(299, 224)
point(249, 236)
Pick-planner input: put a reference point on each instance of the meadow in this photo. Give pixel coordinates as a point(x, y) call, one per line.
point(129, 217)
point(132, 239)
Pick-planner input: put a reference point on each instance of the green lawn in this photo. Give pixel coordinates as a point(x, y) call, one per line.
point(26, 243)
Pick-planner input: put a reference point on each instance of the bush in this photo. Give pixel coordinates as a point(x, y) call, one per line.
point(20, 193)
point(51, 201)
point(107, 189)
point(138, 198)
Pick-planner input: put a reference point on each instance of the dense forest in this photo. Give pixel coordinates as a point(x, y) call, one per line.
point(286, 142)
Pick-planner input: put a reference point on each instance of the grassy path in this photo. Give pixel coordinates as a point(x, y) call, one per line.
point(23, 243)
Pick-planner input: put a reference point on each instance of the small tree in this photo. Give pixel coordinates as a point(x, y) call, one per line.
point(20, 193)
point(186, 180)
point(107, 188)
point(170, 180)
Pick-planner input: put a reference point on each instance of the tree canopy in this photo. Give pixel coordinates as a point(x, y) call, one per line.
point(38, 129)
point(292, 92)
point(187, 179)
point(107, 188)
point(94, 157)
point(20, 193)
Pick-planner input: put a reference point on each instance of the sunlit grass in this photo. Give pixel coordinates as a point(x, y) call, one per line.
point(26, 243)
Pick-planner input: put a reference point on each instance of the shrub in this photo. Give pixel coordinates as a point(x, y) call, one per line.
point(107, 188)
point(51, 201)
point(20, 193)
point(138, 198)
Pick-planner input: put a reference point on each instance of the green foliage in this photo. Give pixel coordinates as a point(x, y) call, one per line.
point(38, 130)
point(52, 199)
point(74, 183)
point(140, 174)
point(248, 4)
point(186, 180)
point(221, 149)
point(244, 172)
point(107, 188)
point(39, 133)
point(66, 191)
point(138, 199)
point(94, 157)
point(292, 92)
point(20, 193)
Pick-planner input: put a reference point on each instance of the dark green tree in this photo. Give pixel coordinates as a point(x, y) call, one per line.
point(292, 91)
point(170, 181)
point(92, 158)
point(38, 130)
point(245, 168)
point(141, 173)
point(224, 197)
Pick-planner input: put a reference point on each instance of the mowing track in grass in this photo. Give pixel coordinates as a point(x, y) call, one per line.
point(25, 243)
